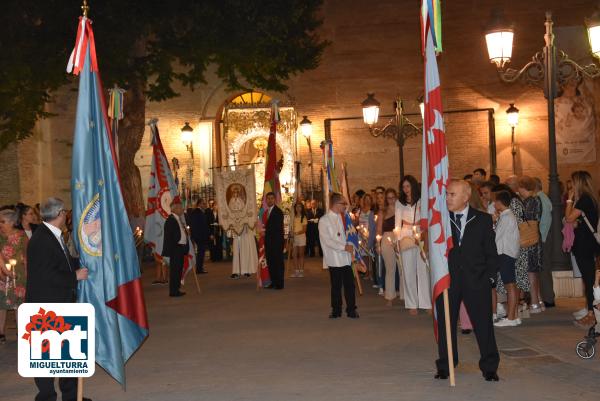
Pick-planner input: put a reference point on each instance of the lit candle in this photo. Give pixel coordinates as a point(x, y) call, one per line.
point(378, 237)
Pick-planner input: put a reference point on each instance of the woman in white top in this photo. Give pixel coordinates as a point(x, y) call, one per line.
point(416, 281)
point(299, 228)
point(508, 246)
point(26, 219)
point(386, 225)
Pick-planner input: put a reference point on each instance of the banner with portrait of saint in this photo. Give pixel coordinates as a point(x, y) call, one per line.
point(236, 198)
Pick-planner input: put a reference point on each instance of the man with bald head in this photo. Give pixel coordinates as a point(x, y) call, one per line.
point(472, 262)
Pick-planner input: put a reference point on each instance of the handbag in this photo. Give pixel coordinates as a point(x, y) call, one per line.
point(595, 233)
point(408, 242)
point(529, 233)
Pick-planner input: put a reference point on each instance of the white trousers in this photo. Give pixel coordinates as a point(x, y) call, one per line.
point(416, 280)
point(391, 264)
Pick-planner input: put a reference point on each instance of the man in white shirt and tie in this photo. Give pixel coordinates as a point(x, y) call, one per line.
point(175, 246)
point(337, 256)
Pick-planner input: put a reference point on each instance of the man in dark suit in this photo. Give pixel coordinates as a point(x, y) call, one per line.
point(175, 246)
point(313, 214)
point(200, 228)
point(52, 277)
point(472, 262)
point(274, 242)
point(214, 245)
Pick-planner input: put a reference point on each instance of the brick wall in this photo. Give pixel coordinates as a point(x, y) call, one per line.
point(375, 46)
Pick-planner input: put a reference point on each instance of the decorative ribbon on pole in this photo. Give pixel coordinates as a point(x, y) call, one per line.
point(115, 113)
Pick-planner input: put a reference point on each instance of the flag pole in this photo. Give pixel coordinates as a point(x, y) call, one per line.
point(449, 339)
point(80, 389)
point(197, 282)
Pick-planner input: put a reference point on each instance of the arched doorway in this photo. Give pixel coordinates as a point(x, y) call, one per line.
point(245, 130)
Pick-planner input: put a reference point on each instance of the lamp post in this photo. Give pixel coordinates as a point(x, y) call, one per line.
point(187, 136)
point(306, 130)
point(549, 68)
point(512, 116)
point(398, 128)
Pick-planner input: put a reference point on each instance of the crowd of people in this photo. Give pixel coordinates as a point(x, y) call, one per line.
point(394, 250)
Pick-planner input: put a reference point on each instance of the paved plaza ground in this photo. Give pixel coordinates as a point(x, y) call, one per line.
point(233, 343)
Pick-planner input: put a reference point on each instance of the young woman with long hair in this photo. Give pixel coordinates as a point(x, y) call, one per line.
point(582, 205)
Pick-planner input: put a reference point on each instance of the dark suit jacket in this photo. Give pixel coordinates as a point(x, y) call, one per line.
point(313, 228)
point(172, 235)
point(476, 256)
point(274, 230)
point(199, 225)
point(49, 276)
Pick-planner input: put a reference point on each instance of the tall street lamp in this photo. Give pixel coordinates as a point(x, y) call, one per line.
point(512, 116)
point(187, 136)
point(306, 130)
point(398, 128)
point(549, 68)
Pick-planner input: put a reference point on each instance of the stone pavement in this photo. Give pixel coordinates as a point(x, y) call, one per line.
point(234, 343)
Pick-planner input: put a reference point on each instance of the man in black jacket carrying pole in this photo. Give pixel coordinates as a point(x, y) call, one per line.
point(52, 277)
point(472, 262)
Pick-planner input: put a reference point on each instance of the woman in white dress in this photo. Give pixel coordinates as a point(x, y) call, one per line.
point(385, 228)
point(416, 281)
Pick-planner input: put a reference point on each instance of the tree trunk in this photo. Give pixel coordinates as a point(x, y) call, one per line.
point(131, 132)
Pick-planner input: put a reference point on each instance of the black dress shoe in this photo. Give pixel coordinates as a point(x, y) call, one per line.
point(178, 294)
point(491, 377)
point(549, 304)
point(466, 331)
point(201, 272)
point(353, 315)
point(269, 287)
point(441, 375)
point(335, 315)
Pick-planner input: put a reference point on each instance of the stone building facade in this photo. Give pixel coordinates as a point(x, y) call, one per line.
point(375, 47)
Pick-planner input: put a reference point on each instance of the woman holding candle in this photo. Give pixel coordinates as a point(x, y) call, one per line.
point(299, 229)
point(386, 227)
point(26, 219)
point(13, 244)
point(367, 230)
point(417, 287)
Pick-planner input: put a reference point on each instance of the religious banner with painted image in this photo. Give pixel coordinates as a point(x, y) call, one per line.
point(236, 198)
point(576, 123)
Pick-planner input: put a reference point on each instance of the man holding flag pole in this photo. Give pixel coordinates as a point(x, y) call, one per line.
point(461, 247)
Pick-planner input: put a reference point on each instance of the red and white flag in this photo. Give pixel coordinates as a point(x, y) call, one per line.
point(160, 194)
point(435, 218)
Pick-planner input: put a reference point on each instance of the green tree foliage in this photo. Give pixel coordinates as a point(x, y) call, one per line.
point(150, 45)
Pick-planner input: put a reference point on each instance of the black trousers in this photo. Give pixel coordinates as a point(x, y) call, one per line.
point(312, 240)
point(200, 253)
point(587, 267)
point(45, 385)
point(546, 283)
point(478, 301)
point(216, 249)
point(176, 268)
point(342, 277)
point(275, 264)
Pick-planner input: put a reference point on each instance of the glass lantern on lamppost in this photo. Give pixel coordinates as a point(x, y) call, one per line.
point(593, 30)
point(306, 130)
point(398, 127)
point(499, 39)
point(512, 116)
point(549, 69)
point(370, 108)
point(187, 136)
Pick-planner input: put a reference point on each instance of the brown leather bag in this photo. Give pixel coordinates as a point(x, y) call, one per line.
point(529, 232)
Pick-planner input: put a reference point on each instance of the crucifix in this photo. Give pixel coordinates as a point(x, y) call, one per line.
point(233, 153)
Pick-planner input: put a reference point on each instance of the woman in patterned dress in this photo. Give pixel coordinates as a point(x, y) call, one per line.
point(532, 206)
point(13, 245)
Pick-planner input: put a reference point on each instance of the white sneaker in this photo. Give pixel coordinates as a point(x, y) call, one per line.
point(507, 323)
point(581, 313)
point(500, 310)
point(535, 308)
point(300, 273)
point(518, 321)
point(380, 292)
